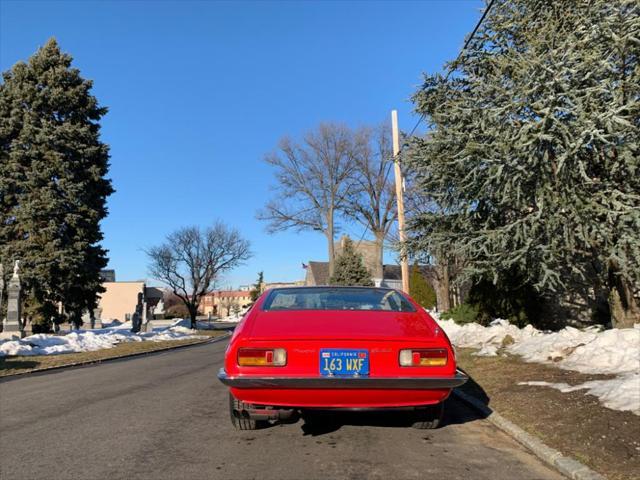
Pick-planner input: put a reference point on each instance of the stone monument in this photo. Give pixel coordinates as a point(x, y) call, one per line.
point(158, 311)
point(13, 326)
point(97, 317)
point(87, 322)
point(147, 326)
point(136, 318)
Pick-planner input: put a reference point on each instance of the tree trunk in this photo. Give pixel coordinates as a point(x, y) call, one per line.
point(454, 296)
point(75, 320)
point(625, 311)
point(443, 294)
point(193, 314)
point(379, 266)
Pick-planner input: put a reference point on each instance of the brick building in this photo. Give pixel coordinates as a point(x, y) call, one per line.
point(222, 302)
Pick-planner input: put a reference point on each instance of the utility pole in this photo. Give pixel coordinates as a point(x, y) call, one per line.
point(404, 262)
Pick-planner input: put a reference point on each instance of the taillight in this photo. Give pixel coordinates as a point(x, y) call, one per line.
point(434, 357)
point(262, 357)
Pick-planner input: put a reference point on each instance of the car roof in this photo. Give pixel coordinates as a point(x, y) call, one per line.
point(330, 286)
point(312, 287)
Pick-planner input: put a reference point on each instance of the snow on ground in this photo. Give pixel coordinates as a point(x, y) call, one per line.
point(231, 318)
point(235, 317)
point(620, 393)
point(615, 351)
point(91, 340)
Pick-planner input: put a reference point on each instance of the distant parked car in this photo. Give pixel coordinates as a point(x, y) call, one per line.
point(319, 348)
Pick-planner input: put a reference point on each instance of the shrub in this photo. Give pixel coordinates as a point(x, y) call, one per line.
point(421, 290)
point(41, 327)
point(510, 298)
point(464, 313)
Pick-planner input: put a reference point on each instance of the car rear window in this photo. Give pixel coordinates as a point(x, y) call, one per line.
point(378, 299)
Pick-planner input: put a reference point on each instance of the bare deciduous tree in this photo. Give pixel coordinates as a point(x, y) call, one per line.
point(314, 181)
point(372, 202)
point(227, 303)
point(191, 260)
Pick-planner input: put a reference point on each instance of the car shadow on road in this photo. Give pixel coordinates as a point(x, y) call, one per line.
point(456, 412)
point(474, 389)
point(322, 423)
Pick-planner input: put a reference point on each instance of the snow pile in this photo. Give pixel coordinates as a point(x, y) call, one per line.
point(489, 339)
point(234, 318)
point(591, 350)
point(588, 351)
point(620, 393)
point(90, 340)
point(181, 323)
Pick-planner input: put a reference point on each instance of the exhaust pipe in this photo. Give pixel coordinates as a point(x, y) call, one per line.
point(267, 414)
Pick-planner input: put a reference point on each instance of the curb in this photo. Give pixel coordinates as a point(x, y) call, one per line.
point(568, 466)
point(110, 359)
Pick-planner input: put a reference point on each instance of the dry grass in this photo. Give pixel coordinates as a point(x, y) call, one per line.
point(574, 423)
point(13, 365)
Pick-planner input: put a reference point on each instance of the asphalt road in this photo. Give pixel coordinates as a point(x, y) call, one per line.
point(164, 416)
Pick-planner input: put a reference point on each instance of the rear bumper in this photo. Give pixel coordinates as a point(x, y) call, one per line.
point(332, 383)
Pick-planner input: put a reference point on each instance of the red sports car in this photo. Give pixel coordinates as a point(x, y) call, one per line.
point(325, 348)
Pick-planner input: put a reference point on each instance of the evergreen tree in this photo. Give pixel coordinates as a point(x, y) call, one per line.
point(421, 290)
point(256, 291)
point(53, 184)
point(350, 269)
point(532, 157)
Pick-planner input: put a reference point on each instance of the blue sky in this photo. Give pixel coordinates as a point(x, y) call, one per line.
point(199, 91)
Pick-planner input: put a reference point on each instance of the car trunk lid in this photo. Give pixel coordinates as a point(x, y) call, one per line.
point(340, 325)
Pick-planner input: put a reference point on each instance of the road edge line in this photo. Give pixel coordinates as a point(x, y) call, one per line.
point(567, 466)
point(109, 359)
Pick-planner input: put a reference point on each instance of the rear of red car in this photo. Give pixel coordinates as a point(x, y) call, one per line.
point(337, 347)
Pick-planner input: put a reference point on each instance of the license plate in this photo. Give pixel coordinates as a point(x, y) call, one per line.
point(347, 363)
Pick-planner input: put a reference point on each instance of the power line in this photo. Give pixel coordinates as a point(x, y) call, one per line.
point(466, 44)
point(464, 47)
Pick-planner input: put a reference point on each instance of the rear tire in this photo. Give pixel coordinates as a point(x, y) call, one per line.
point(239, 422)
point(429, 417)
